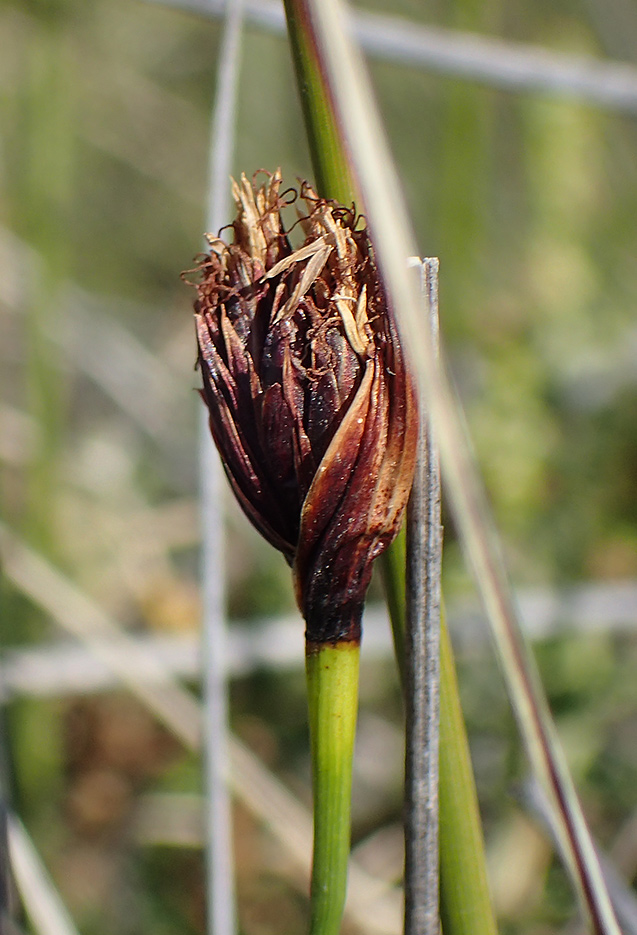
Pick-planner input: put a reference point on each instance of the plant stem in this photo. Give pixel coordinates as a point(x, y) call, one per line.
point(422, 668)
point(465, 903)
point(332, 687)
point(393, 566)
point(332, 669)
point(220, 890)
point(329, 159)
point(460, 831)
point(393, 239)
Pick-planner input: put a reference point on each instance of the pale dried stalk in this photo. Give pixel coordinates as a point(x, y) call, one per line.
point(422, 667)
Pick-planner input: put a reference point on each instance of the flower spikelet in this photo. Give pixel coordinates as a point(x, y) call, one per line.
point(311, 405)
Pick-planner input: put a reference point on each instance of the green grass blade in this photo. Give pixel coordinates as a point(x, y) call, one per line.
point(332, 170)
point(465, 902)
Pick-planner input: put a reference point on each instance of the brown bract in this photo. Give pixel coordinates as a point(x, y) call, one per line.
point(311, 406)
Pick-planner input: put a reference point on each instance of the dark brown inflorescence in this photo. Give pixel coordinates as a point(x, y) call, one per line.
point(311, 406)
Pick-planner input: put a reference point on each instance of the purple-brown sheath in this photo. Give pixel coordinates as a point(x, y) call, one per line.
point(311, 405)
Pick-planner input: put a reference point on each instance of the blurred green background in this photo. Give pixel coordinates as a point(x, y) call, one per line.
point(531, 204)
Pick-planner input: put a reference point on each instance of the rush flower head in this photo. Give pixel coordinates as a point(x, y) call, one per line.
point(311, 405)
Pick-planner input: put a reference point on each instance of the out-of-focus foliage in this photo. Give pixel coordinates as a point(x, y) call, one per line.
point(531, 204)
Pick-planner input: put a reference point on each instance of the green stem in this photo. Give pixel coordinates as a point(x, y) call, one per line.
point(332, 669)
point(393, 564)
point(332, 688)
point(465, 902)
point(331, 166)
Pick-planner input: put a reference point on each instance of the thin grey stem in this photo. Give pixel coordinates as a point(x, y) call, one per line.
point(422, 667)
point(220, 889)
